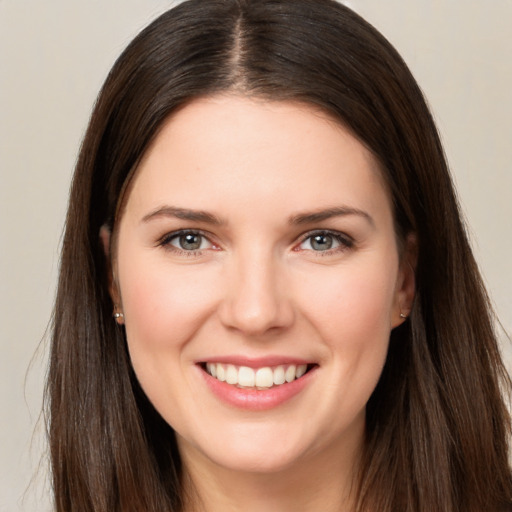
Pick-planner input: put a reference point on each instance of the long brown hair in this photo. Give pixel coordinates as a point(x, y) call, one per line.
point(437, 425)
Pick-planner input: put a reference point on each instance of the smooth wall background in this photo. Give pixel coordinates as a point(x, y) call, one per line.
point(54, 56)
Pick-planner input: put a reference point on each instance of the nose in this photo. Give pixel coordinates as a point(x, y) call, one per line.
point(256, 299)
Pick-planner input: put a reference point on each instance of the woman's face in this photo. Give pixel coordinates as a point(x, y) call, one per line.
point(257, 244)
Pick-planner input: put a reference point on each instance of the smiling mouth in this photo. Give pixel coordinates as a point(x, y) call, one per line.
point(263, 378)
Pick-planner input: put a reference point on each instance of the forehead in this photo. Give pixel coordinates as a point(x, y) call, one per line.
point(225, 151)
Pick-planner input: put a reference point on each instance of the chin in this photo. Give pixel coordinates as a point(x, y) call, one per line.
point(256, 462)
point(251, 452)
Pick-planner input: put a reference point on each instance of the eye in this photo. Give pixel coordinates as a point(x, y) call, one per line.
point(325, 241)
point(189, 242)
point(186, 241)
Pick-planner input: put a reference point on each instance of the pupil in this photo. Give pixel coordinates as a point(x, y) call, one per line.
point(321, 242)
point(190, 242)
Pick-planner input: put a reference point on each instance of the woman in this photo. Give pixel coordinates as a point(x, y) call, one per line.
point(262, 204)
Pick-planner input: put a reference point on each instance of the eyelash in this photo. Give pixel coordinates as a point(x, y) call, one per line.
point(345, 242)
point(166, 240)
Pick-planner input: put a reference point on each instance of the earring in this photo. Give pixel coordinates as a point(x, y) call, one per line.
point(118, 316)
point(402, 315)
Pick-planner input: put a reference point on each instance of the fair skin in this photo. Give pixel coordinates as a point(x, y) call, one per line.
point(260, 235)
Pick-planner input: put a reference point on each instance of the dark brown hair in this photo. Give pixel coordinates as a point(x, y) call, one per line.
point(437, 425)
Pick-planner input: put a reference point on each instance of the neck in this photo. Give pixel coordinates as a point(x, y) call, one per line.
point(318, 482)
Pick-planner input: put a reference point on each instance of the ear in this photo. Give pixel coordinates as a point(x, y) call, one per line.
point(406, 281)
point(113, 288)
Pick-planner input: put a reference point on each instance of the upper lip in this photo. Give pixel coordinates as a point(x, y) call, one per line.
point(256, 362)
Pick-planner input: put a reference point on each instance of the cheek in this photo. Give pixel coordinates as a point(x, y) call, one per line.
point(163, 306)
point(352, 299)
point(352, 311)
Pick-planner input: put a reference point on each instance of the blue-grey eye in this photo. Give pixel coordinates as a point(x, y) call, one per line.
point(323, 242)
point(190, 242)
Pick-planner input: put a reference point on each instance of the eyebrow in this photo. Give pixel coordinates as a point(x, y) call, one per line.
point(298, 219)
point(183, 214)
point(320, 215)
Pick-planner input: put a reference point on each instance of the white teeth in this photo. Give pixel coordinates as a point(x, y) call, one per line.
point(212, 369)
point(264, 377)
point(221, 372)
point(260, 378)
point(301, 370)
point(231, 374)
point(279, 376)
point(289, 374)
point(246, 377)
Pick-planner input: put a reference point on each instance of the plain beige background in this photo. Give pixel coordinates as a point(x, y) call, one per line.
point(54, 56)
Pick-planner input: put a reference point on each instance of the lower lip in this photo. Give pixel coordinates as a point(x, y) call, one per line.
point(256, 399)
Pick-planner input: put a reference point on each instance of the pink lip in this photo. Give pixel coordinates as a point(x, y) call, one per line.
point(256, 362)
point(254, 399)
